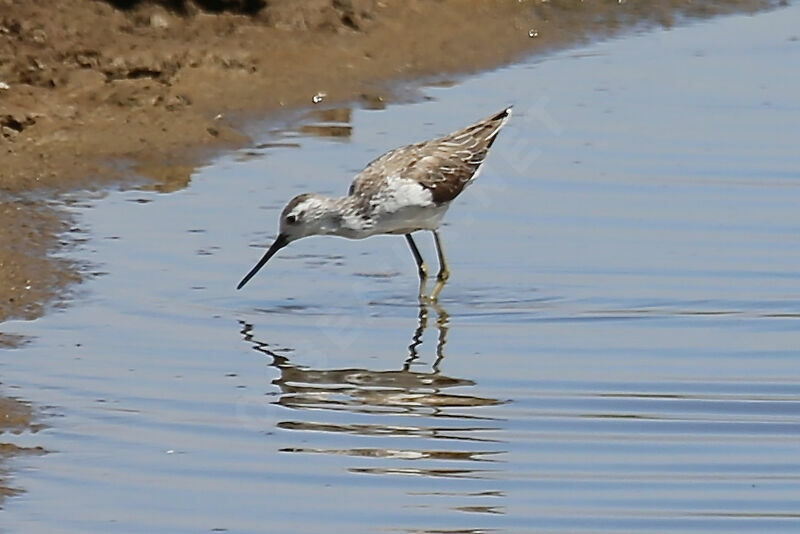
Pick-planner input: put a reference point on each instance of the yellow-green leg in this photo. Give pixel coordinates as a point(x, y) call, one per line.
point(444, 272)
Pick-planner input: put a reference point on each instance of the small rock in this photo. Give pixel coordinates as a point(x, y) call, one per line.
point(373, 101)
point(39, 36)
point(87, 59)
point(159, 21)
point(176, 102)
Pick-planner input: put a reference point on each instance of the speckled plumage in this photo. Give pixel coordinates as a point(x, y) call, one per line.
point(444, 166)
point(404, 190)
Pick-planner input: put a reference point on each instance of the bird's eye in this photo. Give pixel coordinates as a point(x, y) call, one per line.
point(291, 219)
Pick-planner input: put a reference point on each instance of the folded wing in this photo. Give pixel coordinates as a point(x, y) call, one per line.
point(444, 166)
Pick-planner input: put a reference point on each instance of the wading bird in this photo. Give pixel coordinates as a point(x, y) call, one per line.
point(403, 191)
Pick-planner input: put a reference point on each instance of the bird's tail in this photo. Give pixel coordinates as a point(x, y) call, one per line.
point(497, 122)
point(484, 132)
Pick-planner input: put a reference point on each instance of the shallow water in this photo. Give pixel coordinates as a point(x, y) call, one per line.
point(618, 348)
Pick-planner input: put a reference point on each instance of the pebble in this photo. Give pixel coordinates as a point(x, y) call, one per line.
point(159, 21)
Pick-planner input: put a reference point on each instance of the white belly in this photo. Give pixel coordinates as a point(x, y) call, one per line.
point(400, 221)
point(398, 206)
point(411, 219)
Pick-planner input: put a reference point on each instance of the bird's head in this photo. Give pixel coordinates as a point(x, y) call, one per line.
point(306, 215)
point(303, 216)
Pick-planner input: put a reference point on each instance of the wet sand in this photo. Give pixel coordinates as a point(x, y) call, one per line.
point(15, 416)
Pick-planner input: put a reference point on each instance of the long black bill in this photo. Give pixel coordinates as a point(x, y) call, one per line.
point(280, 242)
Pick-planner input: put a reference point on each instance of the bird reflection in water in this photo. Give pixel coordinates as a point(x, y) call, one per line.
point(405, 403)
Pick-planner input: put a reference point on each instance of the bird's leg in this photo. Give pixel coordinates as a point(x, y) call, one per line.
point(444, 272)
point(422, 269)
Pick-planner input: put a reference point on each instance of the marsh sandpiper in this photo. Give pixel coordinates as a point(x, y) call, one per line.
point(405, 190)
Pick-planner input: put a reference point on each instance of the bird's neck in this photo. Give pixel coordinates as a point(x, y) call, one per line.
point(333, 206)
point(339, 216)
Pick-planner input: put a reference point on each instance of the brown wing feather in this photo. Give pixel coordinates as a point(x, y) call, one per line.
point(444, 165)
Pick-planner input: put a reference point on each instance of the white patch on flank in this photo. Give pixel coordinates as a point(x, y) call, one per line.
point(400, 206)
point(403, 206)
point(397, 193)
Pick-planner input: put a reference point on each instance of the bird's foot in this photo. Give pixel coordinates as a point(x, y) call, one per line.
point(423, 273)
point(433, 298)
